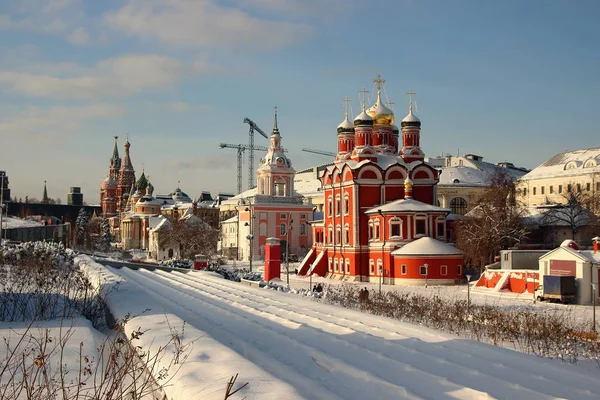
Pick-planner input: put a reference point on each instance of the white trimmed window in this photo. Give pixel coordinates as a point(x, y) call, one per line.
point(346, 204)
point(443, 270)
point(347, 265)
point(423, 270)
point(371, 266)
point(396, 228)
point(282, 230)
point(403, 270)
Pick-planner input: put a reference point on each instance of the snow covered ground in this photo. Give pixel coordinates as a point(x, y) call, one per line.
point(290, 347)
point(11, 222)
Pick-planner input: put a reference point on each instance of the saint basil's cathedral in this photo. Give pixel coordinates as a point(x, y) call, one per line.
point(380, 221)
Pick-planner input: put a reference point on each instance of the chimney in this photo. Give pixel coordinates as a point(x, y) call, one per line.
point(596, 241)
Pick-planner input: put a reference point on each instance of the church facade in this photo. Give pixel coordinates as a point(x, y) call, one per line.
point(380, 195)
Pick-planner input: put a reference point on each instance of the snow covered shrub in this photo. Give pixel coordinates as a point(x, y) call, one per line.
point(177, 263)
point(553, 334)
point(233, 274)
point(39, 280)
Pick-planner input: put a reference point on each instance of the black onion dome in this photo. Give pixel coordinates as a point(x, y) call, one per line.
point(363, 119)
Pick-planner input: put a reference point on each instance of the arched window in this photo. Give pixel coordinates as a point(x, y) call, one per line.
point(458, 206)
point(282, 230)
point(346, 204)
point(346, 234)
point(330, 206)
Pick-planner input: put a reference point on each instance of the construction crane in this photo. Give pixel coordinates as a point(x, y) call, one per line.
point(251, 147)
point(240, 153)
point(321, 152)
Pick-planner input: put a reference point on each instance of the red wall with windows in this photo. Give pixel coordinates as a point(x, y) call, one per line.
point(413, 265)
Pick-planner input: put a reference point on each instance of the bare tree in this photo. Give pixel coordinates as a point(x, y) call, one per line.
point(191, 234)
point(496, 223)
point(574, 213)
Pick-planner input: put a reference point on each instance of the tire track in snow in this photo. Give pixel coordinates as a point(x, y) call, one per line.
point(438, 353)
point(422, 363)
point(340, 382)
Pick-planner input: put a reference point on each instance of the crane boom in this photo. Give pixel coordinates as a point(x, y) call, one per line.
point(321, 152)
point(253, 127)
point(240, 153)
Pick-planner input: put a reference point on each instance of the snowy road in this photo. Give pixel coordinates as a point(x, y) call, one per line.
point(326, 352)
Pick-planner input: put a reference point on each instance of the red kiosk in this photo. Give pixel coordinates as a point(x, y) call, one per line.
point(200, 261)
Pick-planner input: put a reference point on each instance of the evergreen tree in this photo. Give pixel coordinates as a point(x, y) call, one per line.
point(106, 235)
point(81, 222)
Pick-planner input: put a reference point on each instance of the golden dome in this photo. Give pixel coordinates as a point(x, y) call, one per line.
point(381, 114)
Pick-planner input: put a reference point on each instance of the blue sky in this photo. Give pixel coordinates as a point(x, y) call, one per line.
point(508, 80)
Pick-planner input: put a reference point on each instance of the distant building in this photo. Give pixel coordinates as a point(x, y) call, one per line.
point(75, 197)
point(571, 171)
point(465, 179)
point(273, 209)
point(5, 191)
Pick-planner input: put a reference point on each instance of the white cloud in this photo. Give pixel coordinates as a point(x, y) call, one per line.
point(54, 121)
point(180, 106)
point(203, 23)
point(113, 77)
point(79, 36)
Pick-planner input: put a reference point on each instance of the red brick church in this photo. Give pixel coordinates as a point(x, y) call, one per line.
point(380, 218)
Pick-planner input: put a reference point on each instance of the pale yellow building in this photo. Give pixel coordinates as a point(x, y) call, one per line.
point(577, 171)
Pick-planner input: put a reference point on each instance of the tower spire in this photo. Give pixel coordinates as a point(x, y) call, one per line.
point(115, 155)
point(45, 196)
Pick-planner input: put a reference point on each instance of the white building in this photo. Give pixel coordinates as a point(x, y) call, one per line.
point(464, 180)
point(568, 260)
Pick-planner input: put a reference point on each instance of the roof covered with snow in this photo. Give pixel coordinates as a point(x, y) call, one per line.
point(427, 246)
point(471, 170)
point(406, 205)
point(569, 163)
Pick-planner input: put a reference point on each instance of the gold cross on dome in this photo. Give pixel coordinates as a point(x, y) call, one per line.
point(378, 81)
point(347, 101)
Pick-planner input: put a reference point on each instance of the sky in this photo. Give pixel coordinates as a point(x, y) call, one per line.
point(510, 81)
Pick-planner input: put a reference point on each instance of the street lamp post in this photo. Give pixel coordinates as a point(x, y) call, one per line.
point(2, 205)
point(594, 307)
point(287, 251)
point(468, 276)
point(250, 236)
